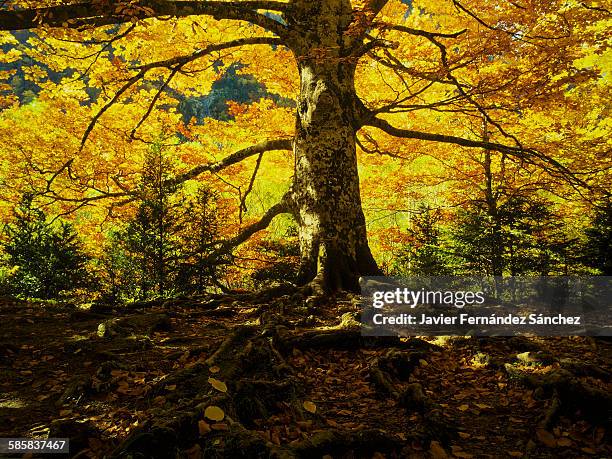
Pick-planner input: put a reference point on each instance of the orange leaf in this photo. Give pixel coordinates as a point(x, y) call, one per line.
point(310, 407)
point(214, 413)
point(546, 438)
point(203, 427)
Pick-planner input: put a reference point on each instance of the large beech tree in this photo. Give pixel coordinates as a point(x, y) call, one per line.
point(489, 61)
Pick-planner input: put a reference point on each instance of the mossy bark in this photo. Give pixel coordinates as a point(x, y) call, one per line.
point(332, 228)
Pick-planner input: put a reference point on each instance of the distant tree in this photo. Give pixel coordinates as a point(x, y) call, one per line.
point(520, 237)
point(425, 253)
point(283, 255)
point(197, 271)
point(120, 274)
point(598, 248)
point(150, 239)
point(47, 258)
point(165, 249)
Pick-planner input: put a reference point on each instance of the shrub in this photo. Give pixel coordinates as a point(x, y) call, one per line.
point(44, 258)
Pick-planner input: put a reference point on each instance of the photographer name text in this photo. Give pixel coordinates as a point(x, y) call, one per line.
point(467, 319)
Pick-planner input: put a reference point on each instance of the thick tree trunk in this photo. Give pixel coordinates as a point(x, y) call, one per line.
point(333, 238)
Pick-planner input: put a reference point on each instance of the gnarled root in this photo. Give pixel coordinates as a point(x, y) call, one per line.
point(568, 394)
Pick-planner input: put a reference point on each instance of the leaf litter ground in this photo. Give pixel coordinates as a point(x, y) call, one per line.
point(63, 374)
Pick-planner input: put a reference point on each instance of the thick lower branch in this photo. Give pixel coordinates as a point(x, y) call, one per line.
point(225, 247)
point(100, 14)
point(527, 154)
point(130, 195)
point(240, 155)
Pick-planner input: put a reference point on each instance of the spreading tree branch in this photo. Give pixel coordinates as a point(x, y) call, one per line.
point(78, 15)
point(262, 147)
point(156, 97)
point(243, 206)
point(175, 64)
point(285, 206)
point(529, 155)
point(512, 33)
point(422, 33)
point(459, 86)
point(131, 195)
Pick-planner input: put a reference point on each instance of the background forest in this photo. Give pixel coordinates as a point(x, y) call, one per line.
point(70, 229)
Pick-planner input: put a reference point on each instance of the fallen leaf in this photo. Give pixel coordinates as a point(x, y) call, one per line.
point(564, 442)
point(219, 385)
point(464, 407)
point(214, 413)
point(214, 369)
point(436, 451)
point(515, 453)
point(546, 438)
point(310, 407)
point(203, 427)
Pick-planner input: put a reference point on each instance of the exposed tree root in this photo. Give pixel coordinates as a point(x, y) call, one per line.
point(386, 375)
point(568, 395)
point(411, 397)
point(126, 326)
point(252, 298)
point(336, 442)
point(346, 335)
point(225, 357)
point(552, 413)
point(77, 387)
point(330, 339)
point(584, 369)
point(258, 384)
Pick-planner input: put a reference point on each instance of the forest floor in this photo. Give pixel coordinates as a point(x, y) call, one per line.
point(232, 377)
